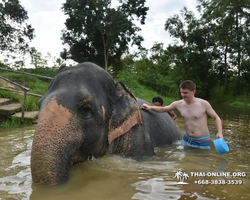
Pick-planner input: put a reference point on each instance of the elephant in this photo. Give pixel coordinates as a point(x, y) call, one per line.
point(86, 113)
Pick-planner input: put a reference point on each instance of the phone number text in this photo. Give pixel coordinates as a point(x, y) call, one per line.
point(218, 182)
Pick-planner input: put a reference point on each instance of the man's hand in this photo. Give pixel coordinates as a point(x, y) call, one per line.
point(219, 135)
point(145, 106)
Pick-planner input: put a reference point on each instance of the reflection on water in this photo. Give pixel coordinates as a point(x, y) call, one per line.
point(113, 177)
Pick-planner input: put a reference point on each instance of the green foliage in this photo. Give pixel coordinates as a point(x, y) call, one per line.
point(156, 77)
point(36, 85)
point(14, 122)
point(43, 71)
point(97, 32)
point(31, 103)
point(7, 94)
point(139, 90)
point(230, 32)
point(213, 47)
point(219, 94)
point(243, 102)
point(37, 60)
point(15, 34)
point(129, 80)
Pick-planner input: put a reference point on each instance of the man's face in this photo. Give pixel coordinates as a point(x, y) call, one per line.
point(187, 94)
point(156, 103)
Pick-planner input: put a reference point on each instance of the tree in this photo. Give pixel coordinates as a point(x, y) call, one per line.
point(192, 56)
point(212, 47)
point(230, 22)
point(160, 58)
point(96, 31)
point(15, 34)
point(37, 59)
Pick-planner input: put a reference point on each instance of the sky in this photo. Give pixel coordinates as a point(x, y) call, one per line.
point(47, 18)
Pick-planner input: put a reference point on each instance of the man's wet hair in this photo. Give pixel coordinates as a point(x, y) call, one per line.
point(188, 84)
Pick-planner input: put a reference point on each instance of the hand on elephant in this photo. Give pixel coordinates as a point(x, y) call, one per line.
point(145, 106)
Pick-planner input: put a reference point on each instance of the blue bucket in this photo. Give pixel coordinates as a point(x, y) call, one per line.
point(221, 146)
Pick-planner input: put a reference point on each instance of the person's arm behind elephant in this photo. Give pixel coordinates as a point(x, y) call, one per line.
point(172, 114)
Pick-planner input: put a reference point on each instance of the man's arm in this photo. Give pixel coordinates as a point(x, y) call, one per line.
point(210, 111)
point(159, 109)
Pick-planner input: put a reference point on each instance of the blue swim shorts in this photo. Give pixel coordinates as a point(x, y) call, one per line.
point(202, 142)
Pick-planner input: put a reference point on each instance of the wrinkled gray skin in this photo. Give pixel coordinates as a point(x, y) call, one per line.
point(85, 113)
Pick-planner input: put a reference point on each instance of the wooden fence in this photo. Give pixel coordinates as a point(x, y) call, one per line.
point(24, 89)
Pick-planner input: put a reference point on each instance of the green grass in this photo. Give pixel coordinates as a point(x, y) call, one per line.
point(36, 85)
point(240, 104)
point(140, 90)
point(221, 96)
point(143, 92)
point(15, 122)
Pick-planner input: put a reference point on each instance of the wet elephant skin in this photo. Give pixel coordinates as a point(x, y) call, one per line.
point(86, 113)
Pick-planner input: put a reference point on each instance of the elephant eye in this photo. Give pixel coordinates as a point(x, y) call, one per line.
point(86, 111)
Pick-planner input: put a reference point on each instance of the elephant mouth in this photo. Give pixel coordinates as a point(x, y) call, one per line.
point(78, 158)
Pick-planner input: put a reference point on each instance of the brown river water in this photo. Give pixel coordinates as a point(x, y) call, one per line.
point(116, 178)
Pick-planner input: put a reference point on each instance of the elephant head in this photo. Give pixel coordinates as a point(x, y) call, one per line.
point(83, 111)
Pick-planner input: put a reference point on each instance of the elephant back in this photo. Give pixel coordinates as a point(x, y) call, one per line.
point(160, 126)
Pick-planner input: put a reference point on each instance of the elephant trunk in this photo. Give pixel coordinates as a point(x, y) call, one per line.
point(54, 143)
point(47, 165)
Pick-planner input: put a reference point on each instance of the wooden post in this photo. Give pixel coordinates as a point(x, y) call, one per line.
point(23, 107)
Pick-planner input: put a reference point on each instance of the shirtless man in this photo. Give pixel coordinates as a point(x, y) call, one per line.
point(194, 112)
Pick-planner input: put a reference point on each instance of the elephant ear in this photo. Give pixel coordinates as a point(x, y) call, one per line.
point(126, 112)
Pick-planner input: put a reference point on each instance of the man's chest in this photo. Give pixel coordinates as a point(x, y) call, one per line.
point(194, 111)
